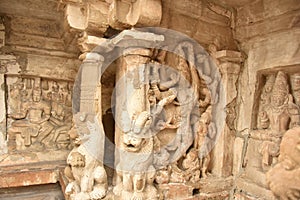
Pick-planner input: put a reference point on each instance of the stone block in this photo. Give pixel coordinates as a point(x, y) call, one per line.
point(182, 23)
point(278, 23)
point(191, 8)
point(52, 67)
point(238, 155)
point(264, 9)
point(34, 26)
point(176, 191)
point(41, 42)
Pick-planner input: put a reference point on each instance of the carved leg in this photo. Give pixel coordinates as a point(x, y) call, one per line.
point(44, 132)
point(127, 182)
point(139, 183)
point(206, 161)
point(264, 151)
point(119, 184)
point(100, 183)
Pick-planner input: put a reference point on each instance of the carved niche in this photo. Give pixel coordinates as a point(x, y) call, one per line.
point(40, 113)
point(276, 114)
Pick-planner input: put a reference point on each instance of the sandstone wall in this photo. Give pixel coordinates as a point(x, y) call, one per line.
point(268, 33)
point(33, 48)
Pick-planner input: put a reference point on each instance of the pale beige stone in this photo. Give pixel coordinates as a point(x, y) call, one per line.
point(238, 155)
point(254, 44)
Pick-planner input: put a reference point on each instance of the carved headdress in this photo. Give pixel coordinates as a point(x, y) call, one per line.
point(281, 87)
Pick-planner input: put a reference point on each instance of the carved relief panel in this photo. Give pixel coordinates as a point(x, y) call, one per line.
point(276, 113)
point(167, 106)
point(39, 111)
point(166, 123)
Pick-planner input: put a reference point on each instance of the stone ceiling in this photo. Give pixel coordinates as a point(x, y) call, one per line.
point(232, 3)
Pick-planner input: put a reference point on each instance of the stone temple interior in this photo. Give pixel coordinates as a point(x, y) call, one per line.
point(149, 99)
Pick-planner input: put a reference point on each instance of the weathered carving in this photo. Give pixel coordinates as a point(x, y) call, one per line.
point(275, 117)
point(86, 174)
point(166, 125)
point(124, 13)
point(41, 114)
point(135, 178)
point(191, 165)
point(2, 33)
point(295, 83)
point(205, 131)
point(284, 177)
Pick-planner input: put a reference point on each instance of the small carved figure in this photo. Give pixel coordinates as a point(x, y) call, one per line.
point(295, 83)
point(191, 165)
point(265, 97)
point(18, 94)
point(163, 175)
point(204, 133)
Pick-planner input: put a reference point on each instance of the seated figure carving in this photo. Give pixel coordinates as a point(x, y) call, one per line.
point(276, 118)
point(33, 120)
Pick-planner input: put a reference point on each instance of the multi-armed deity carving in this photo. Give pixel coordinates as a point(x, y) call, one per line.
point(277, 114)
point(165, 123)
point(41, 113)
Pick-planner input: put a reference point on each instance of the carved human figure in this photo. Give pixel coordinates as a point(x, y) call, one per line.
point(191, 165)
point(16, 95)
point(33, 120)
point(204, 132)
point(265, 97)
point(295, 83)
point(277, 117)
point(284, 177)
point(61, 115)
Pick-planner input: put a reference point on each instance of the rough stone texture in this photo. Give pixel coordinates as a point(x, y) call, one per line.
point(48, 191)
point(268, 34)
point(238, 153)
point(202, 21)
point(250, 41)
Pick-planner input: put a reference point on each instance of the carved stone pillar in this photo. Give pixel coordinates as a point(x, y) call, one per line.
point(2, 117)
point(131, 89)
point(90, 74)
point(229, 64)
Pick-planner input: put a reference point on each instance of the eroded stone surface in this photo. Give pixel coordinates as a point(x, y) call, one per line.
point(255, 45)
